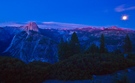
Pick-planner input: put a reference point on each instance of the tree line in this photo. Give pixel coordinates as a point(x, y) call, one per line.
point(67, 49)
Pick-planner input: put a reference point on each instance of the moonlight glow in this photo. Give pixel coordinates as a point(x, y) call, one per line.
point(124, 17)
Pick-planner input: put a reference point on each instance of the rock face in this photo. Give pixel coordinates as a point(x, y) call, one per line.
point(6, 35)
point(30, 45)
point(5, 39)
point(31, 26)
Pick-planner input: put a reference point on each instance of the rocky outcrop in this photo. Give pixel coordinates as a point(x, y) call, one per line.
point(31, 46)
point(31, 26)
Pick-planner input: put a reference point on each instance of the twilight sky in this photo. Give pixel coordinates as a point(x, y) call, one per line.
point(87, 12)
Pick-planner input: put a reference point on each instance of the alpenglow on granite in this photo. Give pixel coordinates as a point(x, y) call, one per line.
point(29, 45)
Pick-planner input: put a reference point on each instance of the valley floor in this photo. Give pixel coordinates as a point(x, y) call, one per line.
point(123, 75)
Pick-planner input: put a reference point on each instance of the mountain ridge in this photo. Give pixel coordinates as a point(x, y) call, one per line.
point(57, 25)
point(33, 43)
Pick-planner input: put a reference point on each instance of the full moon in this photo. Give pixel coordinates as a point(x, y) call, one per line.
point(124, 17)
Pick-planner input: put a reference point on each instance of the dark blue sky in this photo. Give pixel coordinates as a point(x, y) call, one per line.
point(89, 12)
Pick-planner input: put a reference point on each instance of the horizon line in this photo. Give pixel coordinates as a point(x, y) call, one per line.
point(19, 24)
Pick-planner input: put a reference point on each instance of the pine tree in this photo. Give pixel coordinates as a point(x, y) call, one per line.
point(127, 45)
point(117, 51)
point(102, 44)
point(63, 50)
point(66, 49)
point(74, 44)
point(93, 49)
point(60, 49)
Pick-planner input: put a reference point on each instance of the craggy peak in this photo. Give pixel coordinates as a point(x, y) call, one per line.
point(31, 26)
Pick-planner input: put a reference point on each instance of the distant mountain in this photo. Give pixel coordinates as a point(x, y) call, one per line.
point(31, 26)
point(114, 36)
point(49, 25)
point(32, 42)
